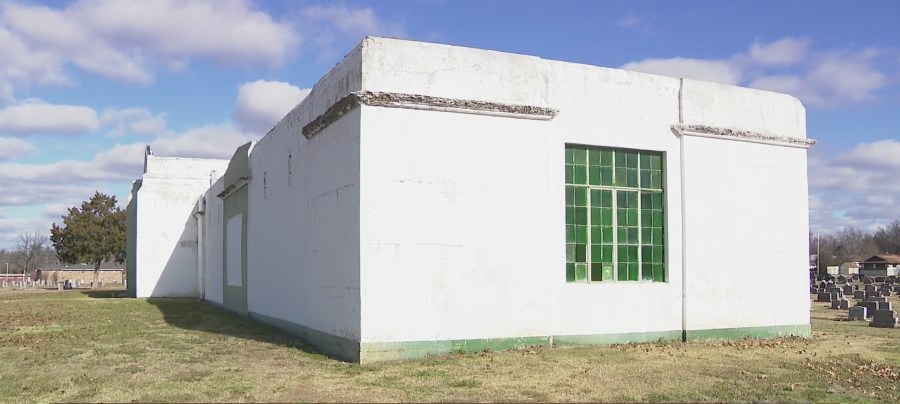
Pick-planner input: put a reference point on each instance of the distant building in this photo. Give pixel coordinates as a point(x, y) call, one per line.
point(881, 265)
point(849, 268)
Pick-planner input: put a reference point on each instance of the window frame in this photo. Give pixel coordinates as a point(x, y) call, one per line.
point(581, 168)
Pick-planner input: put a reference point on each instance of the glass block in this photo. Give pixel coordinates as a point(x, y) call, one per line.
point(596, 198)
point(606, 158)
point(606, 216)
point(632, 254)
point(607, 272)
point(657, 218)
point(580, 196)
point(622, 271)
point(581, 215)
point(607, 234)
point(646, 218)
point(580, 156)
point(606, 176)
point(570, 272)
point(646, 272)
point(658, 255)
point(622, 217)
point(657, 235)
point(596, 272)
point(622, 234)
point(622, 254)
point(631, 179)
point(659, 273)
point(570, 174)
point(570, 233)
point(656, 179)
point(620, 159)
point(570, 215)
point(632, 271)
point(645, 179)
point(656, 162)
point(621, 177)
point(580, 253)
point(631, 160)
point(570, 196)
point(596, 253)
point(656, 198)
point(645, 161)
point(594, 175)
point(596, 214)
point(607, 251)
point(594, 157)
point(632, 217)
point(580, 176)
point(632, 236)
point(632, 199)
point(570, 252)
point(580, 272)
point(646, 235)
point(621, 200)
point(581, 234)
point(646, 200)
point(570, 155)
point(646, 254)
point(596, 234)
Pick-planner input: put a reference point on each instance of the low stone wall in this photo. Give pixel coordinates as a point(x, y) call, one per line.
point(86, 276)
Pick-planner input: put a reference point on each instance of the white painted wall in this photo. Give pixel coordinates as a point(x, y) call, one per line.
point(746, 212)
point(303, 227)
point(214, 231)
point(462, 216)
point(166, 252)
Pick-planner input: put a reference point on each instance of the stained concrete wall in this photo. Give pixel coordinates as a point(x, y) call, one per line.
point(303, 220)
point(462, 216)
point(166, 262)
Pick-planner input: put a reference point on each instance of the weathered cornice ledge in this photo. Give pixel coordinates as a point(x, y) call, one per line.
point(424, 102)
point(682, 129)
point(231, 189)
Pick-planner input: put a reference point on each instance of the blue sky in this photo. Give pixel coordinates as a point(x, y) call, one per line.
point(85, 84)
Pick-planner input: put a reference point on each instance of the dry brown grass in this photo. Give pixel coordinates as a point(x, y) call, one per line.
point(70, 346)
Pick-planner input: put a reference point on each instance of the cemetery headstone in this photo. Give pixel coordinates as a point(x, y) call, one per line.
point(883, 319)
point(859, 295)
point(858, 312)
point(870, 307)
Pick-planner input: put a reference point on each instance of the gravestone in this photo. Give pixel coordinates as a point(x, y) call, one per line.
point(848, 290)
point(883, 319)
point(867, 280)
point(879, 279)
point(844, 304)
point(870, 288)
point(884, 306)
point(834, 296)
point(870, 307)
point(896, 289)
point(855, 277)
point(813, 289)
point(858, 313)
point(859, 295)
point(891, 279)
point(841, 279)
point(823, 297)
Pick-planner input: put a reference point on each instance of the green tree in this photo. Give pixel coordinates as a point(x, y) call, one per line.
point(91, 234)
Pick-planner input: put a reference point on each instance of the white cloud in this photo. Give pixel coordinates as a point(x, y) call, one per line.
point(213, 141)
point(35, 116)
point(331, 29)
point(855, 187)
point(785, 51)
point(720, 71)
point(12, 148)
point(261, 104)
point(820, 79)
point(138, 121)
point(129, 39)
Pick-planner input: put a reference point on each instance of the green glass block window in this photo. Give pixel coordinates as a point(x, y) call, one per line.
point(614, 215)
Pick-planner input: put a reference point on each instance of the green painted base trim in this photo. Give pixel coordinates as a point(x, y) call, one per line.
point(332, 345)
point(797, 330)
point(381, 351)
point(626, 338)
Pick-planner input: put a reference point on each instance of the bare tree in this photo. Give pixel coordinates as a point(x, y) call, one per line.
point(853, 244)
point(29, 247)
point(887, 238)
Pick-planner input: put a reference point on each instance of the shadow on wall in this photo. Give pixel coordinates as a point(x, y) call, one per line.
point(197, 315)
point(179, 276)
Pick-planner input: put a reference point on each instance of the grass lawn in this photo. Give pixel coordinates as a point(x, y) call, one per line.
point(88, 346)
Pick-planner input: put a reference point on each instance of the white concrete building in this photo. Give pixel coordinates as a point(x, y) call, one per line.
point(426, 198)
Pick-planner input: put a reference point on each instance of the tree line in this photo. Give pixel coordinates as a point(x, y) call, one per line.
point(91, 233)
point(852, 244)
